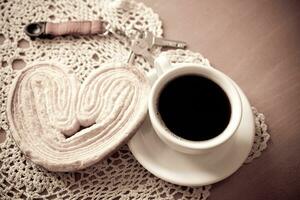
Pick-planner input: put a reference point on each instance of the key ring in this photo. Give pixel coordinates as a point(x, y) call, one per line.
point(141, 41)
point(35, 29)
point(50, 30)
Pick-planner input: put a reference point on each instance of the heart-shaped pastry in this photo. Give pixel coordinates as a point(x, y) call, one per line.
point(63, 125)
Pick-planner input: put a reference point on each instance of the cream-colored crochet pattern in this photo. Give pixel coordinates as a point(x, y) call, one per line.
point(120, 176)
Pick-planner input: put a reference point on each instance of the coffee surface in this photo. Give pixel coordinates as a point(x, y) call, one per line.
point(194, 107)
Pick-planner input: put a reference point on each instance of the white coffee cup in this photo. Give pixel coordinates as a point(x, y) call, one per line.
point(165, 72)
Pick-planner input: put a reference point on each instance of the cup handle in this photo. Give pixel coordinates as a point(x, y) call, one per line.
point(161, 65)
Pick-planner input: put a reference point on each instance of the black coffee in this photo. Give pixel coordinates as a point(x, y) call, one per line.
point(194, 107)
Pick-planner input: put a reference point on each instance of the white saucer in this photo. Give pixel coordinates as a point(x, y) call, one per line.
point(194, 170)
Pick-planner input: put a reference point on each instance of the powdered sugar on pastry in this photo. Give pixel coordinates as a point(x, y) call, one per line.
point(63, 125)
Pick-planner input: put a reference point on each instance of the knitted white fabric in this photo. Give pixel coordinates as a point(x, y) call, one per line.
point(120, 176)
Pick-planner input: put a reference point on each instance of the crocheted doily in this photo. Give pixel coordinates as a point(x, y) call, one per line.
point(120, 176)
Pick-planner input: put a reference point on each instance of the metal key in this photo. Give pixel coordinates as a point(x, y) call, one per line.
point(131, 57)
point(134, 37)
point(144, 41)
point(140, 47)
point(152, 40)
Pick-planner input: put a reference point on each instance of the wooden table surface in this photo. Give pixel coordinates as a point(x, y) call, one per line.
point(257, 43)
